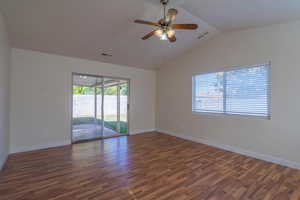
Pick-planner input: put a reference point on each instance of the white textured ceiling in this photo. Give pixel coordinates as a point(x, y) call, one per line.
point(86, 28)
point(241, 14)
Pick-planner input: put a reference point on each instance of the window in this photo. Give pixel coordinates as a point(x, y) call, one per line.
point(242, 91)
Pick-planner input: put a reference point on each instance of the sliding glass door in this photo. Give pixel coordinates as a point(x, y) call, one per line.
point(100, 107)
point(83, 122)
point(111, 107)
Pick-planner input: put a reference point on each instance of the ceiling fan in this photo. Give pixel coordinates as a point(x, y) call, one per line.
point(165, 27)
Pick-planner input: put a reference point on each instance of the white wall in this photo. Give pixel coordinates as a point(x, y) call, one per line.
point(278, 137)
point(4, 92)
point(41, 97)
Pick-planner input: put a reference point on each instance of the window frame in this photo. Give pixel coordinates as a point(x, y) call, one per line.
point(215, 113)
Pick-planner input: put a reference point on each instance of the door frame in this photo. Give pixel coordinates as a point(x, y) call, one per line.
point(100, 76)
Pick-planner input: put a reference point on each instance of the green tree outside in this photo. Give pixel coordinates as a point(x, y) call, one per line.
point(80, 90)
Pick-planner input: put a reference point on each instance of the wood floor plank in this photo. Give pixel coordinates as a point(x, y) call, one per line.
point(149, 166)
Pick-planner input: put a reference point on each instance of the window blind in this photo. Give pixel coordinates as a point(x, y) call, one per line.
point(242, 91)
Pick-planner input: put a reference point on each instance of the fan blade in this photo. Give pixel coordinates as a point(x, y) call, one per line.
point(171, 16)
point(172, 38)
point(150, 34)
point(146, 22)
point(185, 26)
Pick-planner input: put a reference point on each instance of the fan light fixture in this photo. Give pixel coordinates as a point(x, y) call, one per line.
point(164, 36)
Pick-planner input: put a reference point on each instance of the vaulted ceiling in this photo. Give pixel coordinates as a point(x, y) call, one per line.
point(88, 28)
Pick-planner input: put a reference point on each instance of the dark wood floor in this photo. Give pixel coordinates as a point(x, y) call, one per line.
point(147, 166)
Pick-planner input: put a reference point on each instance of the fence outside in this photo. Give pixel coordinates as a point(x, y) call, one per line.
point(84, 105)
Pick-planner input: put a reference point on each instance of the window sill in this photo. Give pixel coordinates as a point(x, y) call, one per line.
point(232, 115)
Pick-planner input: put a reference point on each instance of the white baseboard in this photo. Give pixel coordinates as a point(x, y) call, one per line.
point(256, 155)
point(57, 144)
point(2, 162)
point(38, 147)
point(141, 131)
